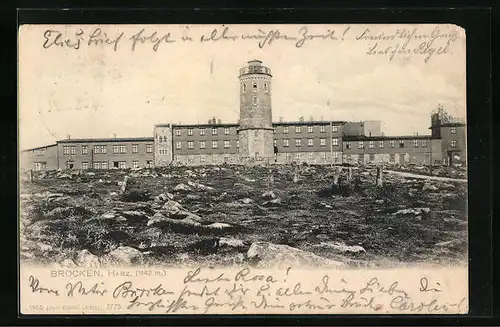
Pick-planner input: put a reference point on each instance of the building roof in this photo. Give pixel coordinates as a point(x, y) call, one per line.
point(382, 138)
point(455, 124)
point(39, 147)
point(202, 125)
point(308, 123)
point(285, 123)
point(96, 140)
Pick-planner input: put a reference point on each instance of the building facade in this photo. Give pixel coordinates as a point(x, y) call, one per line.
point(257, 139)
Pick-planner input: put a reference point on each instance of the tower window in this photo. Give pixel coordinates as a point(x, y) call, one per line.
point(254, 101)
point(265, 87)
point(244, 87)
point(254, 86)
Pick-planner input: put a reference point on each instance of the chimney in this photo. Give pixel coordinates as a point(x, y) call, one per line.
point(114, 135)
point(301, 119)
point(311, 118)
point(219, 121)
point(281, 119)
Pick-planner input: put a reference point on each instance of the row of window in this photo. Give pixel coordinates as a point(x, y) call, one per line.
point(392, 144)
point(190, 131)
point(227, 131)
point(105, 164)
point(311, 155)
point(203, 144)
point(255, 87)
point(310, 129)
point(102, 149)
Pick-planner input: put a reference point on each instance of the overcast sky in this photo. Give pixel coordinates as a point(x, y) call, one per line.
point(98, 92)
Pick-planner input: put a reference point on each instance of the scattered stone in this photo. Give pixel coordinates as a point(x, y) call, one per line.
point(322, 237)
point(88, 260)
point(341, 247)
point(126, 255)
point(245, 200)
point(199, 186)
point(67, 263)
point(429, 187)
point(219, 226)
point(272, 203)
point(182, 188)
point(192, 197)
point(32, 246)
point(415, 211)
point(268, 195)
point(113, 194)
point(267, 255)
point(231, 242)
point(109, 215)
point(134, 215)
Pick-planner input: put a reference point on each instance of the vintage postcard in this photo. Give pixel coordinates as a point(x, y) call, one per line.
point(243, 169)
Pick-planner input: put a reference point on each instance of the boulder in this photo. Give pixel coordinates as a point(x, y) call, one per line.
point(134, 215)
point(245, 200)
point(67, 263)
point(268, 195)
point(341, 247)
point(272, 203)
point(182, 188)
point(414, 211)
point(219, 226)
point(429, 187)
point(199, 186)
point(159, 220)
point(126, 255)
point(88, 260)
point(269, 255)
point(231, 242)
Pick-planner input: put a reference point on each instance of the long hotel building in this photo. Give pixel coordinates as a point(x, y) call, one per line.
point(256, 139)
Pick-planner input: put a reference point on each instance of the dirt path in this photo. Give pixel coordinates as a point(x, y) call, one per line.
point(438, 178)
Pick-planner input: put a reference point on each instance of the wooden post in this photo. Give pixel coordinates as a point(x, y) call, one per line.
point(349, 175)
point(124, 184)
point(337, 176)
point(31, 176)
point(380, 181)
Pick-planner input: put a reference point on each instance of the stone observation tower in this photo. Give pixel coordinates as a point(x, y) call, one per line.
point(255, 132)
